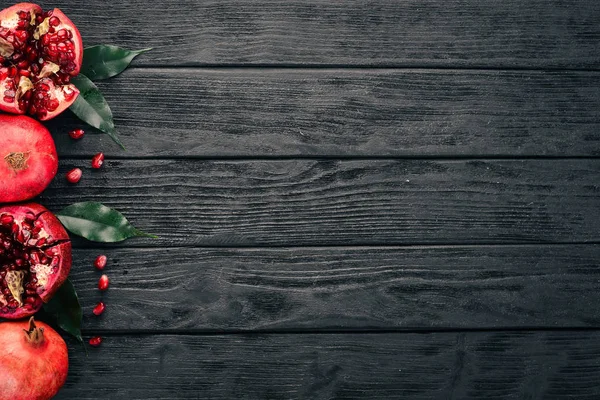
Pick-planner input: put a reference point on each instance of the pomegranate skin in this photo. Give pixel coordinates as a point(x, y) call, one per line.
point(28, 158)
point(33, 366)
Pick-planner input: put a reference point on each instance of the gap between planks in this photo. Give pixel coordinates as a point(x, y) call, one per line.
point(342, 158)
point(96, 246)
point(309, 331)
point(399, 67)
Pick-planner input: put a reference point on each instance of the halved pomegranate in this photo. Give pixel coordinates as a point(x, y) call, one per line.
point(35, 258)
point(39, 53)
point(28, 159)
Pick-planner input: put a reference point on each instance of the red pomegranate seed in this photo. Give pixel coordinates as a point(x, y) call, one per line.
point(6, 219)
point(74, 175)
point(76, 134)
point(103, 283)
point(96, 341)
point(99, 309)
point(100, 262)
point(98, 160)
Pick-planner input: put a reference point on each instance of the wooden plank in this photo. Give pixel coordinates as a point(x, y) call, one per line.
point(343, 288)
point(501, 365)
point(353, 202)
point(465, 33)
point(283, 112)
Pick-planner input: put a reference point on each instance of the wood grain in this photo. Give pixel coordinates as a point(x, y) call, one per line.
point(291, 112)
point(501, 365)
point(342, 288)
point(465, 33)
point(359, 202)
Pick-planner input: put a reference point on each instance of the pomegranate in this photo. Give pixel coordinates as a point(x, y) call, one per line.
point(35, 258)
point(28, 159)
point(34, 361)
point(39, 53)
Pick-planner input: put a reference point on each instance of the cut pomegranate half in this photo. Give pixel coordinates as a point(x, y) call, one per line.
point(39, 53)
point(35, 258)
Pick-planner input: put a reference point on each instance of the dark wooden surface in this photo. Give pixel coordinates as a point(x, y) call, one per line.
point(447, 365)
point(353, 202)
point(333, 288)
point(355, 199)
point(432, 33)
point(311, 112)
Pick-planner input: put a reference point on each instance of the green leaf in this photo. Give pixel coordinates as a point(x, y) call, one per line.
point(92, 108)
point(105, 61)
point(98, 223)
point(65, 308)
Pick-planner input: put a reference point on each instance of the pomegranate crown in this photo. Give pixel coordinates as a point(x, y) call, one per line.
point(34, 335)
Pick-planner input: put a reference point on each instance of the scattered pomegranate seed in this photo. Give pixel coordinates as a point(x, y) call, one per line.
point(100, 262)
point(103, 283)
point(74, 175)
point(96, 341)
point(98, 160)
point(99, 309)
point(77, 134)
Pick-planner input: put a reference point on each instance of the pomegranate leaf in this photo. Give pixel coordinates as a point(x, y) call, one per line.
point(105, 61)
point(66, 310)
point(92, 108)
point(98, 223)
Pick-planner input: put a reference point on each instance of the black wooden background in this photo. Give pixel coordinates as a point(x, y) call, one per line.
point(355, 199)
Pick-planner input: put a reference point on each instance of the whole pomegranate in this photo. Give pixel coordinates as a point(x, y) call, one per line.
point(39, 53)
point(35, 258)
point(33, 362)
point(28, 160)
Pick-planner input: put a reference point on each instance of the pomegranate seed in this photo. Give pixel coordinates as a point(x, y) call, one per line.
point(77, 134)
point(52, 105)
point(54, 21)
point(22, 35)
point(6, 219)
point(96, 341)
point(100, 262)
point(74, 175)
point(103, 283)
point(99, 309)
point(98, 160)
